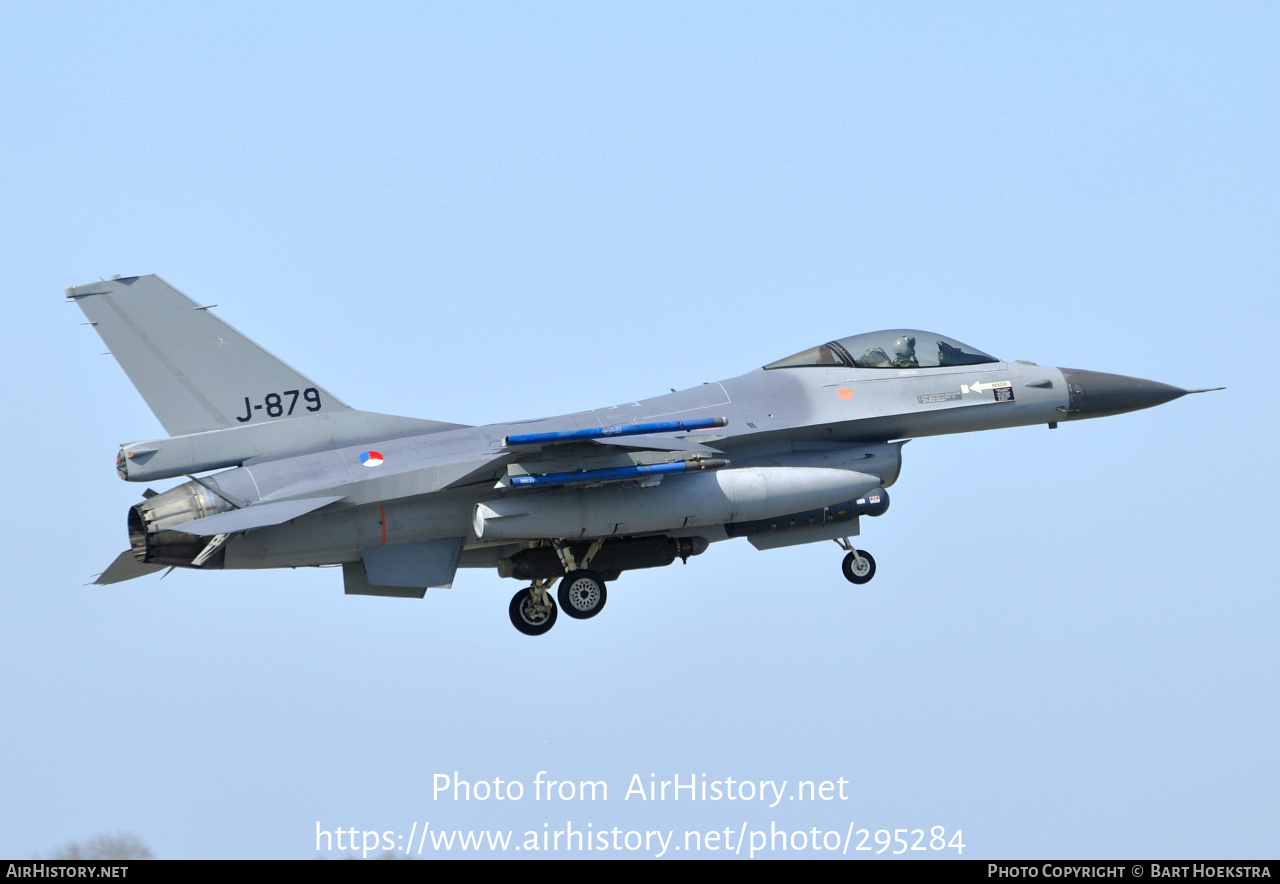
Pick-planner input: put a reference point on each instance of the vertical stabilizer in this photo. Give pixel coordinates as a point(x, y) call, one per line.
point(195, 372)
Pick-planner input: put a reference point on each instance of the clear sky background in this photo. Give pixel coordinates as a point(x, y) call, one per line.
point(484, 212)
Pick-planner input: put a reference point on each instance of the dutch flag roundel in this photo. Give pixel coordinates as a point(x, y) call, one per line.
point(371, 458)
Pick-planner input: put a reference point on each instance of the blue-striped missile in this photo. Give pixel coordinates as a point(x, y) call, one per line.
point(701, 499)
point(615, 431)
point(614, 474)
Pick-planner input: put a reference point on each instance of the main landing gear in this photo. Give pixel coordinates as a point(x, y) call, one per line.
point(582, 594)
point(858, 566)
point(532, 610)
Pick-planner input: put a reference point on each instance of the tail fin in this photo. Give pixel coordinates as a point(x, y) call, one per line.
point(195, 372)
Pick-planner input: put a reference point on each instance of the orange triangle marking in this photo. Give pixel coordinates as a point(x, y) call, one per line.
point(845, 393)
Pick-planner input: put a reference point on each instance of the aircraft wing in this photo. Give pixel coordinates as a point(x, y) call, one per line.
point(573, 451)
point(604, 454)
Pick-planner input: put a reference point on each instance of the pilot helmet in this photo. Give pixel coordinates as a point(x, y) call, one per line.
point(904, 346)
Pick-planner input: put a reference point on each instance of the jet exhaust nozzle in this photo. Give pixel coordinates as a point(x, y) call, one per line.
point(151, 537)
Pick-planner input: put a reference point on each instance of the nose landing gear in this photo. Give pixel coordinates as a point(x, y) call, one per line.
point(858, 566)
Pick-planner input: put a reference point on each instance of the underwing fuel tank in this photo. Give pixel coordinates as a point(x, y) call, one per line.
point(151, 522)
point(727, 495)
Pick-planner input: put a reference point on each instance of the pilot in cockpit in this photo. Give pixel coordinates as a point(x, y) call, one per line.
point(904, 353)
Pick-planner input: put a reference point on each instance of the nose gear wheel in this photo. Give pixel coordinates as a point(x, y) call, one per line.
point(858, 566)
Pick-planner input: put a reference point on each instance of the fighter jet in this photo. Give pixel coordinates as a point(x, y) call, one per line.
point(281, 473)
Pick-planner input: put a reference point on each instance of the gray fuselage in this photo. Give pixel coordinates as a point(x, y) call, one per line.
point(787, 417)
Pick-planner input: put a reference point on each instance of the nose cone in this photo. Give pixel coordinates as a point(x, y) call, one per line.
point(1096, 394)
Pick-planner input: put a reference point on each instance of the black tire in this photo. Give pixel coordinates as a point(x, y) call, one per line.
point(525, 616)
point(582, 594)
point(854, 576)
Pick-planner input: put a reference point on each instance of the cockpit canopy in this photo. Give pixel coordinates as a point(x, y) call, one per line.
point(891, 348)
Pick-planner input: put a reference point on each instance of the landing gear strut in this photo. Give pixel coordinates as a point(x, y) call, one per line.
point(581, 593)
point(858, 566)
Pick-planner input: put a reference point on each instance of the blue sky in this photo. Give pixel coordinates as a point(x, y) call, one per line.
point(487, 212)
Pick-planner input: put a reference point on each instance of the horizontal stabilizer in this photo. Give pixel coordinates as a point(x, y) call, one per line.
point(260, 515)
point(125, 567)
